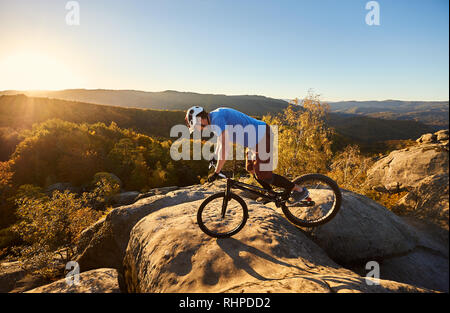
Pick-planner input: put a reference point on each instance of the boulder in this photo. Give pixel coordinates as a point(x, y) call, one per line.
point(363, 230)
point(156, 191)
point(124, 198)
point(104, 280)
point(10, 272)
point(427, 138)
point(421, 170)
point(429, 200)
point(167, 252)
point(61, 187)
point(110, 177)
point(104, 243)
point(442, 135)
point(427, 265)
point(405, 169)
point(419, 268)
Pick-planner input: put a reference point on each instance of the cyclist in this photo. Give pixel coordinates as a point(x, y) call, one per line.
point(258, 143)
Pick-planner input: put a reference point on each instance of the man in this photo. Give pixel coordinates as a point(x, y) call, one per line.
point(230, 125)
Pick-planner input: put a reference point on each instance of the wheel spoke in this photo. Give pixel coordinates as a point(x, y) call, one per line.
point(210, 216)
point(325, 201)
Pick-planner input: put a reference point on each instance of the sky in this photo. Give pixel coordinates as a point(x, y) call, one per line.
point(280, 49)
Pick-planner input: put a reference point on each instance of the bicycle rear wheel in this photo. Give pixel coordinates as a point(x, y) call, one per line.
point(322, 204)
point(211, 221)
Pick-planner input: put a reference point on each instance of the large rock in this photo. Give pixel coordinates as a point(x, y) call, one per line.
point(442, 135)
point(427, 138)
point(124, 198)
point(167, 252)
point(61, 187)
point(109, 177)
point(104, 280)
point(427, 265)
point(422, 171)
point(405, 169)
point(156, 191)
point(419, 268)
point(363, 230)
point(10, 272)
point(104, 243)
point(429, 200)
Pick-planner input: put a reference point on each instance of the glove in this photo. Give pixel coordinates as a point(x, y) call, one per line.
point(212, 177)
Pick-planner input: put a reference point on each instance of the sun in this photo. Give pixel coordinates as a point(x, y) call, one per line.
point(30, 70)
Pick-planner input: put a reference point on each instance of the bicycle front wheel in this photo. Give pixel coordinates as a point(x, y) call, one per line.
point(320, 206)
point(215, 224)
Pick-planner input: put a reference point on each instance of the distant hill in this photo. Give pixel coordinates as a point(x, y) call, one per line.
point(434, 113)
point(20, 111)
point(165, 100)
point(366, 129)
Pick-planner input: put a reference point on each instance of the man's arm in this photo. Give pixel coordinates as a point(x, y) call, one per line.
point(221, 151)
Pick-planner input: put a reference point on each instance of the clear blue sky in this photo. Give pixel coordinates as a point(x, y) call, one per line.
point(274, 48)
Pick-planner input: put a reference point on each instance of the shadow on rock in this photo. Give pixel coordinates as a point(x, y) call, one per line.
point(233, 247)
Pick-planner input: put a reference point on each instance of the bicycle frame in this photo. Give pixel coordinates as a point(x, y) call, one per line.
point(272, 196)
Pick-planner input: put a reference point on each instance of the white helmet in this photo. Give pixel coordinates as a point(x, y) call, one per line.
point(191, 117)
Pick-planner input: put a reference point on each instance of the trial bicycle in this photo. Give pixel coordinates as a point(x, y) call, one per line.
point(224, 214)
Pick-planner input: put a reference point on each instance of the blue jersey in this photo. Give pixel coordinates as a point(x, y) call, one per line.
point(245, 130)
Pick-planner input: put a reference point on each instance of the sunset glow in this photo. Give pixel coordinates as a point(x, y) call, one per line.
point(30, 70)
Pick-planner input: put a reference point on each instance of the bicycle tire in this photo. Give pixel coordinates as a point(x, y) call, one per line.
point(234, 231)
point(331, 213)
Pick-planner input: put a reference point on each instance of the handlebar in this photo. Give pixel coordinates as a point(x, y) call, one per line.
point(212, 163)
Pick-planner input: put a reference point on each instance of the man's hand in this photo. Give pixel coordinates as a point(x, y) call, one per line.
point(213, 177)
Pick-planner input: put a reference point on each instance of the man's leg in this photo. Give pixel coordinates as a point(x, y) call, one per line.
point(264, 169)
point(282, 182)
point(263, 183)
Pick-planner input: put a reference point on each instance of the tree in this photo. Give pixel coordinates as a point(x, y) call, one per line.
point(49, 226)
point(349, 169)
point(304, 143)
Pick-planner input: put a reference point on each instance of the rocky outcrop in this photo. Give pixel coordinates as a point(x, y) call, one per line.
point(104, 280)
point(10, 273)
point(124, 198)
point(61, 187)
point(405, 169)
point(167, 252)
point(156, 246)
point(438, 137)
point(429, 200)
point(156, 191)
point(420, 170)
point(362, 231)
point(104, 243)
point(426, 266)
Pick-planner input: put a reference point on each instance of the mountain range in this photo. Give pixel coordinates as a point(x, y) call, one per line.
point(432, 113)
point(164, 100)
point(20, 111)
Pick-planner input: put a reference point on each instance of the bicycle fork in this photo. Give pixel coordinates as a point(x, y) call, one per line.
point(226, 198)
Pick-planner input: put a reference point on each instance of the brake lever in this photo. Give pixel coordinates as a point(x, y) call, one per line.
point(213, 162)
